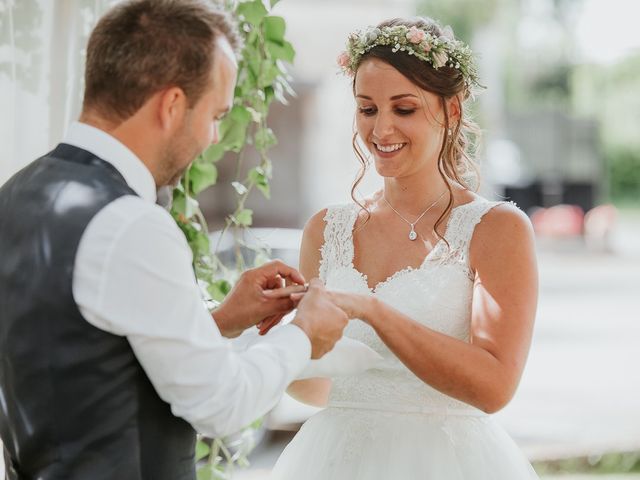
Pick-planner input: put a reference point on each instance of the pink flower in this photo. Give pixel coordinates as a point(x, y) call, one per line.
point(344, 60)
point(415, 35)
point(427, 47)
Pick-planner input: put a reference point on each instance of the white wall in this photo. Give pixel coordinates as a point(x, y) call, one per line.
point(318, 31)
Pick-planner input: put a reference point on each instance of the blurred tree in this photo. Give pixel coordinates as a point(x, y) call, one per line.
point(542, 54)
point(609, 93)
point(464, 16)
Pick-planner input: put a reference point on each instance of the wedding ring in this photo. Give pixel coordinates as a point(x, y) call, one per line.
point(306, 287)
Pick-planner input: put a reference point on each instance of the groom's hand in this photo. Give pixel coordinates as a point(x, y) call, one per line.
point(246, 304)
point(320, 319)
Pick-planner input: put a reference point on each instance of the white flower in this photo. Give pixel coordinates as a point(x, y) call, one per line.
point(372, 35)
point(439, 59)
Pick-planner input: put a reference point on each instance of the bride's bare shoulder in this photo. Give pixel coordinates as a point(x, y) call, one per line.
point(314, 228)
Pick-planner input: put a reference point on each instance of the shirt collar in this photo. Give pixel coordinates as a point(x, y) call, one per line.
point(111, 150)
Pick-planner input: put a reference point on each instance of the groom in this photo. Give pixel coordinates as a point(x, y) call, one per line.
point(109, 361)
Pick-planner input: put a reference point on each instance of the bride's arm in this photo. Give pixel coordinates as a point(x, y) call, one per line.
point(313, 391)
point(486, 371)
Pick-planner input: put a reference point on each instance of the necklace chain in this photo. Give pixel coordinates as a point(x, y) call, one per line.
point(412, 233)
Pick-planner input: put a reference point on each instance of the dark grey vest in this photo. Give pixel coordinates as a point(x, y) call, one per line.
point(75, 403)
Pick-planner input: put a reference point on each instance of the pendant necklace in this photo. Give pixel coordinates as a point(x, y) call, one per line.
point(412, 233)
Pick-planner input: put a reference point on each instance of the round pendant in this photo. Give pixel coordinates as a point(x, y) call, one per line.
point(413, 235)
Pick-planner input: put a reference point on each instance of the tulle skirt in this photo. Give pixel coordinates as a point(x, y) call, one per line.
point(358, 444)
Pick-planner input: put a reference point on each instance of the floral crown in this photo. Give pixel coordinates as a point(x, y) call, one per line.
point(440, 51)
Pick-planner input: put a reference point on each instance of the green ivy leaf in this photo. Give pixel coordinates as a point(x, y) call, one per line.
point(233, 135)
point(187, 206)
point(205, 473)
point(240, 114)
point(252, 59)
point(269, 94)
point(180, 204)
point(259, 178)
point(274, 28)
point(257, 175)
point(253, 11)
point(218, 290)
point(213, 153)
point(283, 51)
point(265, 139)
point(244, 217)
point(200, 244)
point(233, 129)
point(262, 77)
point(201, 176)
point(177, 205)
point(202, 450)
point(269, 74)
point(265, 189)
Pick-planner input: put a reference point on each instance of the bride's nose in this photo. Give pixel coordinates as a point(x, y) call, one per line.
point(383, 126)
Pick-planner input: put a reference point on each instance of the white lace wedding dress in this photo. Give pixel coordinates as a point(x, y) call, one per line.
point(385, 423)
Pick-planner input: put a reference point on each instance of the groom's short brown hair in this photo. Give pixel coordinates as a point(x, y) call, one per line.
point(142, 46)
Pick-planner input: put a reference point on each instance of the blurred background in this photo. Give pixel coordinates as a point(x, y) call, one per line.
point(561, 123)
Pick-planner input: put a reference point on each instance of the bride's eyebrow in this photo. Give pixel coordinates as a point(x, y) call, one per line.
point(395, 97)
point(403, 95)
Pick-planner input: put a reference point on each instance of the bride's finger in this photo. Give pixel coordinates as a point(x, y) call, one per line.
point(296, 297)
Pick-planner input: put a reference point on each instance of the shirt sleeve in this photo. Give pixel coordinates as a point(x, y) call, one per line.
point(133, 277)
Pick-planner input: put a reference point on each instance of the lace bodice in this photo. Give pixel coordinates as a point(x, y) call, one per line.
point(436, 294)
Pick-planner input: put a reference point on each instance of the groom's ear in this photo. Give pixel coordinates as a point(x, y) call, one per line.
point(171, 108)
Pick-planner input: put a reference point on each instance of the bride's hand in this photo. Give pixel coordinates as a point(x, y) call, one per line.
point(354, 305)
point(294, 291)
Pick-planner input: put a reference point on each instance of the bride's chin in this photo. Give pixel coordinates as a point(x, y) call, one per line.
point(387, 170)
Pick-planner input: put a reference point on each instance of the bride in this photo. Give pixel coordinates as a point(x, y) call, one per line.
point(443, 282)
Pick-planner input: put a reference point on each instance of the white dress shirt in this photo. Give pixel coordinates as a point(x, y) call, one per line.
point(133, 277)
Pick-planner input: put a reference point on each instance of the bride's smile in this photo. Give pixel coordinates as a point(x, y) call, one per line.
point(402, 124)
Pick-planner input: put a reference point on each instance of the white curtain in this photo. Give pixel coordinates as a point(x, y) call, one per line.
point(42, 46)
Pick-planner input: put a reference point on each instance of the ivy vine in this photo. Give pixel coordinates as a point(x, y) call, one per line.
point(262, 78)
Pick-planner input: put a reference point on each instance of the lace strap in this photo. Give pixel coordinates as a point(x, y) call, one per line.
point(337, 250)
point(463, 223)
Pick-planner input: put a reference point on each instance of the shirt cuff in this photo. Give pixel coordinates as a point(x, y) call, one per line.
point(298, 346)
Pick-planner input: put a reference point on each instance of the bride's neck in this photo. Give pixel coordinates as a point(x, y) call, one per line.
point(412, 196)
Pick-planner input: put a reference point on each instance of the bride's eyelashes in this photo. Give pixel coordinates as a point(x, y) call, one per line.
point(367, 111)
point(405, 111)
point(370, 111)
